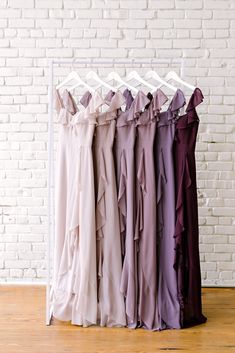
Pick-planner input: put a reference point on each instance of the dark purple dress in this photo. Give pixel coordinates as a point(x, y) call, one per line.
point(168, 304)
point(187, 262)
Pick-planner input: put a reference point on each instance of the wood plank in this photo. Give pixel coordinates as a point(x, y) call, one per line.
point(23, 329)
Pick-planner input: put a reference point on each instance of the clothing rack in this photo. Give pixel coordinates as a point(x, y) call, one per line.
point(50, 178)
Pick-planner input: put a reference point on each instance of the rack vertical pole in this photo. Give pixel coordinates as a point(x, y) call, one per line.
point(49, 186)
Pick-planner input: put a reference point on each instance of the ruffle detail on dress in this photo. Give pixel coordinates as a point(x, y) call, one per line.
point(58, 104)
point(159, 99)
point(100, 209)
point(70, 245)
point(91, 112)
point(65, 107)
point(128, 98)
point(69, 102)
point(122, 202)
point(141, 179)
point(160, 182)
point(196, 98)
point(123, 116)
point(185, 181)
point(69, 305)
point(116, 101)
point(72, 235)
point(138, 105)
point(109, 96)
point(180, 262)
point(85, 99)
point(178, 101)
point(63, 117)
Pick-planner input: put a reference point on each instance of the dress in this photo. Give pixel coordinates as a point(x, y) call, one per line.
point(75, 282)
point(187, 262)
point(168, 304)
point(146, 112)
point(125, 174)
point(111, 307)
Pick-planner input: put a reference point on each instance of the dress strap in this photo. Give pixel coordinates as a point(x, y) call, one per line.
point(159, 99)
point(128, 97)
point(138, 105)
point(116, 102)
point(191, 113)
point(85, 99)
point(69, 102)
point(178, 101)
point(95, 103)
point(58, 103)
point(196, 98)
point(65, 106)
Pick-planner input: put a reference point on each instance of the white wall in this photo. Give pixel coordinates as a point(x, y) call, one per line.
point(31, 31)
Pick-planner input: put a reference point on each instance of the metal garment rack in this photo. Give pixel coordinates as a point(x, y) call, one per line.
point(149, 63)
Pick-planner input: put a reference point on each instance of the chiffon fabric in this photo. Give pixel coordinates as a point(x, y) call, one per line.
point(125, 173)
point(111, 307)
point(146, 112)
point(168, 304)
point(126, 214)
point(75, 281)
point(187, 262)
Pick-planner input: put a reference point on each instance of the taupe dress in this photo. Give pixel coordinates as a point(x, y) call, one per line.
point(111, 307)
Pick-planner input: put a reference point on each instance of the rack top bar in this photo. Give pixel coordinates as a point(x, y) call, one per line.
point(117, 61)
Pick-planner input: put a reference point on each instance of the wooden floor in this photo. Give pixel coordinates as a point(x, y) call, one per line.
point(22, 328)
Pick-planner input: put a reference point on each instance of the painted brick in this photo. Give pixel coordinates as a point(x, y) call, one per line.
point(21, 3)
point(33, 31)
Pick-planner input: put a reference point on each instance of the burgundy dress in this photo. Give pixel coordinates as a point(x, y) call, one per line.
point(168, 304)
point(187, 262)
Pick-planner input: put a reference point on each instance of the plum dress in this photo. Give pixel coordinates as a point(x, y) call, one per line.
point(168, 304)
point(187, 261)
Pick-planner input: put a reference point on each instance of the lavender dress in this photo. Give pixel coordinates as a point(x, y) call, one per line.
point(111, 308)
point(168, 304)
point(125, 173)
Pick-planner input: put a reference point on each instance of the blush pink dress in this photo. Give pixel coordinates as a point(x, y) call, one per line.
point(75, 280)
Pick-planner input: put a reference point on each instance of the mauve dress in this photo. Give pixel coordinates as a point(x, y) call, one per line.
point(146, 111)
point(111, 307)
point(75, 280)
point(125, 174)
point(168, 304)
point(187, 262)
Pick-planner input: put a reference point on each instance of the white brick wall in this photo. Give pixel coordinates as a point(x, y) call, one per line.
point(31, 31)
